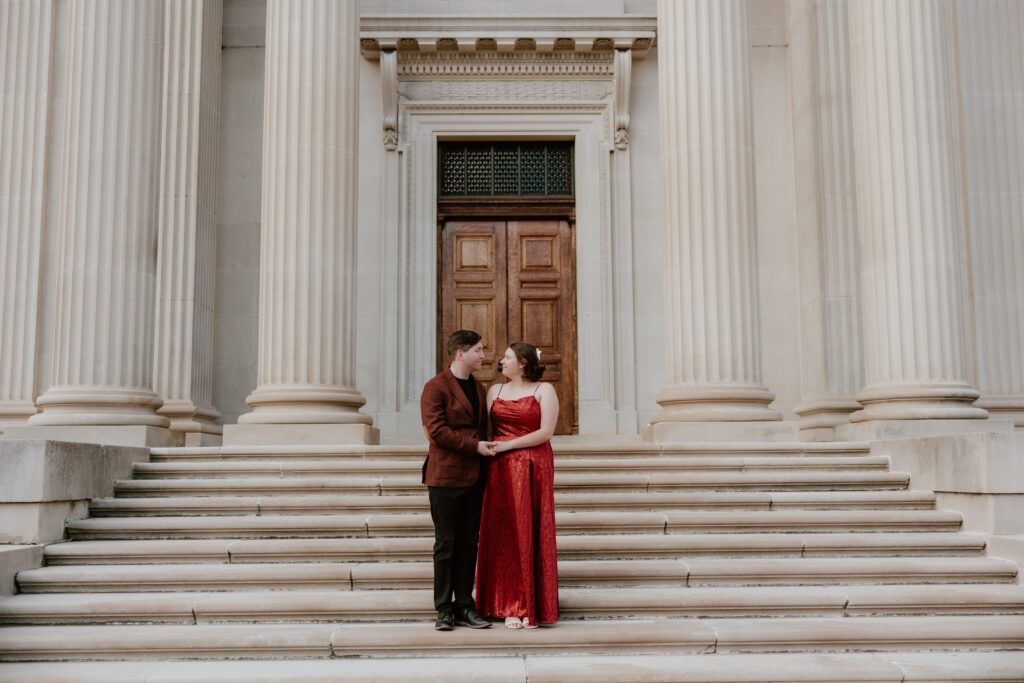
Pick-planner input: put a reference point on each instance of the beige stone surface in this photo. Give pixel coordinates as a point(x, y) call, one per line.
point(882, 667)
point(15, 559)
point(36, 471)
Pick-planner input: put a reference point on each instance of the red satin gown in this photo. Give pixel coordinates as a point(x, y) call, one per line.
point(517, 563)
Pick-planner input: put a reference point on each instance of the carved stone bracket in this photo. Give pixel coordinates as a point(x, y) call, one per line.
point(389, 98)
point(622, 76)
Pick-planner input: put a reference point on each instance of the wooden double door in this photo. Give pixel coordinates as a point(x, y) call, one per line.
point(513, 280)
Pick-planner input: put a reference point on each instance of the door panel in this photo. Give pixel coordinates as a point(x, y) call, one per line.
point(541, 305)
point(473, 288)
point(513, 281)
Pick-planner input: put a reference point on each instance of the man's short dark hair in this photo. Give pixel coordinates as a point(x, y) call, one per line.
point(462, 339)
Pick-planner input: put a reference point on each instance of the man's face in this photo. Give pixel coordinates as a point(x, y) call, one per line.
point(473, 357)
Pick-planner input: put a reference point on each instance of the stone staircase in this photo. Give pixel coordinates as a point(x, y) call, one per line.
point(696, 562)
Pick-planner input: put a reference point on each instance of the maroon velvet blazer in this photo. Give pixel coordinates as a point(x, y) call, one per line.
point(453, 430)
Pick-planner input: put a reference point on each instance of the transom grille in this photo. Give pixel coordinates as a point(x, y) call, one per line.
point(505, 169)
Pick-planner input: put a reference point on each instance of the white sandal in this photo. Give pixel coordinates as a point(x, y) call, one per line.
point(527, 624)
point(513, 622)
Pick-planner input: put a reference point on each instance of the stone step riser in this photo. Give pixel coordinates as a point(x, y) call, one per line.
point(413, 531)
point(196, 614)
point(807, 634)
point(607, 468)
point(899, 665)
point(99, 510)
point(849, 579)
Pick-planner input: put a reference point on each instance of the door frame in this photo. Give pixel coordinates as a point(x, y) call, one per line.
point(505, 210)
point(407, 229)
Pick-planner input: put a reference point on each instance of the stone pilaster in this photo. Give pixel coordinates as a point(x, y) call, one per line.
point(832, 352)
point(911, 213)
point(186, 267)
point(306, 391)
point(991, 82)
point(25, 58)
point(712, 327)
point(102, 378)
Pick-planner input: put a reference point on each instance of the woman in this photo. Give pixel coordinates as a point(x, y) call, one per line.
point(517, 566)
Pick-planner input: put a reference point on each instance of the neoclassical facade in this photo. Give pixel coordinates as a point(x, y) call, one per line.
point(228, 221)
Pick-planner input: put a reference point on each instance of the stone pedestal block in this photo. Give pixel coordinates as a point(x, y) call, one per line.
point(979, 475)
point(669, 432)
point(300, 434)
point(139, 436)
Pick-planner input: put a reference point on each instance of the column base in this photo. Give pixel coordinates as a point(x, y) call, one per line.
point(749, 431)
point(141, 436)
point(15, 413)
point(90, 406)
point(716, 403)
point(918, 402)
point(300, 434)
point(1007, 408)
point(879, 430)
point(193, 425)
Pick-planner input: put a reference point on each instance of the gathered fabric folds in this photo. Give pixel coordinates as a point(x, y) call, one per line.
point(517, 563)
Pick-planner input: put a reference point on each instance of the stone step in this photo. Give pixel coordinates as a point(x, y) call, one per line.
point(574, 603)
point(563, 449)
point(608, 465)
point(564, 500)
point(598, 546)
point(572, 572)
point(399, 484)
point(412, 524)
point(896, 666)
point(253, 641)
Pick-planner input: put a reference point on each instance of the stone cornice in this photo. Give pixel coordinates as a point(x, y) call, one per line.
point(458, 33)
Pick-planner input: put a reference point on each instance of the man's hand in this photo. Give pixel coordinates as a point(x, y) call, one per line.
point(486, 448)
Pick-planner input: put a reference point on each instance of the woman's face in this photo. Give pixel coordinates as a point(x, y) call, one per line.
point(511, 366)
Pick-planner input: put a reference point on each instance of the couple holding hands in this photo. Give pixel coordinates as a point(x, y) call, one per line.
point(490, 476)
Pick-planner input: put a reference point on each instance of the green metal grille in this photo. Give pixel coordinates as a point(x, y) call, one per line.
point(505, 169)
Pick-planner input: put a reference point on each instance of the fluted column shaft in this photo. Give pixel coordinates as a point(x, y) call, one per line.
point(186, 267)
point(712, 328)
point(910, 210)
point(992, 81)
point(307, 257)
point(833, 373)
point(25, 56)
point(105, 266)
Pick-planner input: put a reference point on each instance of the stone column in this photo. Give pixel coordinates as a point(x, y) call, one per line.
point(306, 391)
point(911, 215)
point(101, 386)
point(992, 83)
point(831, 353)
point(186, 263)
point(712, 327)
point(25, 57)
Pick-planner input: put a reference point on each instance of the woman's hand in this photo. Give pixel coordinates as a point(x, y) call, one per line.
point(501, 447)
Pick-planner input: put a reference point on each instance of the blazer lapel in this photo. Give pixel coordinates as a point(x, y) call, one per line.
point(460, 395)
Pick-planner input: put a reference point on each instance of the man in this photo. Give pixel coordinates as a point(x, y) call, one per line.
point(453, 407)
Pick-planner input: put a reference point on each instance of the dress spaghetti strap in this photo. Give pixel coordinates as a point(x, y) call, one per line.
point(500, 387)
point(536, 388)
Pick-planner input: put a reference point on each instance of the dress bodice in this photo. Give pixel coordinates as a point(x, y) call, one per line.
point(515, 418)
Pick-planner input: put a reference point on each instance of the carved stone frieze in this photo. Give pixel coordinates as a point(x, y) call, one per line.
point(474, 65)
point(545, 90)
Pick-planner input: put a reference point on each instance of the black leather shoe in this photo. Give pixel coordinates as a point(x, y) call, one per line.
point(466, 616)
point(445, 621)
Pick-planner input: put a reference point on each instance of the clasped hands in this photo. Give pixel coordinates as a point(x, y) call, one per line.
point(491, 448)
